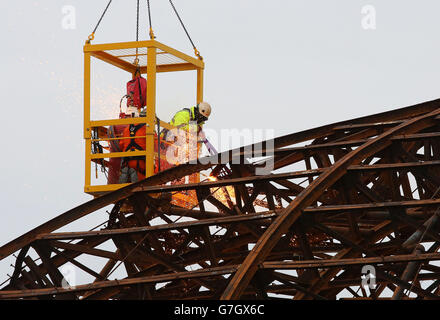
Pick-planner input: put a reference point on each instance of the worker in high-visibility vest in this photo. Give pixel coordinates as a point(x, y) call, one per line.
point(198, 114)
point(133, 168)
point(189, 123)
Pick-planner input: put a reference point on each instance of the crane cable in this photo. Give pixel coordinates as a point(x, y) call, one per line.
point(92, 35)
point(137, 21)
point(151, 33)
point(152, 36)
point(197, 53)
point(136, 60)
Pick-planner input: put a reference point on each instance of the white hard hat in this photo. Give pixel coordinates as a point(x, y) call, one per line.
point(205, 109)
point(132, 112)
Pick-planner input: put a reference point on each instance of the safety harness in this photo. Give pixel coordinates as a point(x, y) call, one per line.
point(193, 116)
point(133, 146)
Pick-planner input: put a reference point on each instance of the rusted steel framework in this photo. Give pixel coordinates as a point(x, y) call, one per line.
point(339, 197)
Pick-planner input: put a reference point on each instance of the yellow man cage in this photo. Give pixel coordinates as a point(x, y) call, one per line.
point(152, 57)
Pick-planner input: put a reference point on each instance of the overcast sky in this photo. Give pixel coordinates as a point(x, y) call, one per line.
point(286, 65)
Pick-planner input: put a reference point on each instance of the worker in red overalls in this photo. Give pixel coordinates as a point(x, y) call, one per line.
point(133, 168)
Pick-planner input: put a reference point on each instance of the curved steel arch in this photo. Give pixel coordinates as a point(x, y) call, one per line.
point(290, 214)
point(340, 196)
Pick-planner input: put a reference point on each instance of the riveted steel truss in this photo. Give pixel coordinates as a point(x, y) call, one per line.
point(364, 192)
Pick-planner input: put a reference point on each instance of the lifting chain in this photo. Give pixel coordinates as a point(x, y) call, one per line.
point(92, 35)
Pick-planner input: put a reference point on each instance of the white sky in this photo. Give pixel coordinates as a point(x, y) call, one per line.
point(278, 64)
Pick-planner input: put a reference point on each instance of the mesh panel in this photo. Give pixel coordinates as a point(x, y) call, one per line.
point(129, 55)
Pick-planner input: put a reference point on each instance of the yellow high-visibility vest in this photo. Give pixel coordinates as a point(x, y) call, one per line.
point(183, 118)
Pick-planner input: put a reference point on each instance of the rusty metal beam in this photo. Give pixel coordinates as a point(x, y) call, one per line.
point(219, 271)
point(332, 263)
point(272, 235)
point(360, 193)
